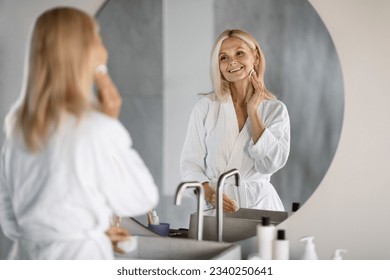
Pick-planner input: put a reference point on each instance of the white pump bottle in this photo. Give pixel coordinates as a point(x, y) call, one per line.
point(310, 249)
point(337, 254)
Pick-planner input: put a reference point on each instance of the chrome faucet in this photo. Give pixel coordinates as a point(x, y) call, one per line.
point(201, 200)
point(220, 185)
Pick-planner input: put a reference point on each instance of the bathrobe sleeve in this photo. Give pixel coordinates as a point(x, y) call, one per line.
point(7, 217)
point(193, 155)
point(271, 150)
point(121, 174)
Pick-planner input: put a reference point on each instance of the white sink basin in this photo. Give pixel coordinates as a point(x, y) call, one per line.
point(236, 226)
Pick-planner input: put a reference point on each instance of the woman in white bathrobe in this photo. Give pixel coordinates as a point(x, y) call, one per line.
point(67, 164)
point(239, 125)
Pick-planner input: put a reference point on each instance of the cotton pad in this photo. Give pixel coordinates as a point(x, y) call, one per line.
point(236, 206)
point(128, 245)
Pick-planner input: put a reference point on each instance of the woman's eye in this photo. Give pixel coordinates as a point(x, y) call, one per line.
point(223, 57)
point(240, 53)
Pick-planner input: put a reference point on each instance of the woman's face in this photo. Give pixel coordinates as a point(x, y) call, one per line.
point(236, 59)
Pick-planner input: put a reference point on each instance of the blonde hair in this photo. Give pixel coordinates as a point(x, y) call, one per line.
point(222, 86)
point(59, 54)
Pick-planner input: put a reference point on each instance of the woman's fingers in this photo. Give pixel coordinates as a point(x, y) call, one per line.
point(109, 97)
point(228, 204)
point(213, 199)
point(118, 234)
point(257, 96)
point(119, 237)
point(117, 250)
point(117, 230)
point(255, 82)
point(257, 85)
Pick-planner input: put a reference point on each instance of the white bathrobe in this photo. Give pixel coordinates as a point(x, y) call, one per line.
point(57, 204)
point(214, 145)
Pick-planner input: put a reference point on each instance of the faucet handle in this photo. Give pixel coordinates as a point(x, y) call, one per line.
point(183, 186)
point(229, 173)
point(199, 187)
point(220, 185)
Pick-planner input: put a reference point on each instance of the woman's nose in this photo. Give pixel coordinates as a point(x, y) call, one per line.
point(232, 62)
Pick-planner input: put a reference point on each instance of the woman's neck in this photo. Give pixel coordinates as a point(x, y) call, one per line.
point(239, 91)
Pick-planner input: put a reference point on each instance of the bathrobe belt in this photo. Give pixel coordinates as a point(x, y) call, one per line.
point(241, 189)
point(231, 180)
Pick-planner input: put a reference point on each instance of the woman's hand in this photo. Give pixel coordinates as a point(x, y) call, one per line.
point(117, 234)
point(257, 96)
point(229, 205)
point(256, 123)
point(109, 97)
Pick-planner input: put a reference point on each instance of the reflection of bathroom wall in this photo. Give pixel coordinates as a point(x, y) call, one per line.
point(140, 35)
point(298, 50)
point(132, 32)
point(303, 70)
point(188, 38)
point(159, 58)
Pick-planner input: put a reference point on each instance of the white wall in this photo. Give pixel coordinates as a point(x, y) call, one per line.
point(350, 209)
point(187, 50)
point(187, 40)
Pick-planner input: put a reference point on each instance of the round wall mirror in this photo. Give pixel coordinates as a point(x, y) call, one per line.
point(159, 59)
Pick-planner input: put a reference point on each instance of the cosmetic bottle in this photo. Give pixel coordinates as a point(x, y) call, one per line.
point(337, 254)
point(265, 237)
point(310, 249)
point(294, 208)
point(281, 246)
point(155, 218)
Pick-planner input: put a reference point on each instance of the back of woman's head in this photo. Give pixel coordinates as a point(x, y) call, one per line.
point(58, 66)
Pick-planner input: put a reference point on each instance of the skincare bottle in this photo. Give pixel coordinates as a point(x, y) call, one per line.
point(265, 237)
point(310, 249)
point(155, 218)
point(337, 254)
point(294, 208)
point(281, 246)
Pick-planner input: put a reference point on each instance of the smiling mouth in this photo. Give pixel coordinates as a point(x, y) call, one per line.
point(235, 69)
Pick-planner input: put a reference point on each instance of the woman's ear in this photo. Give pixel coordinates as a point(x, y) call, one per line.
point(256, 59)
